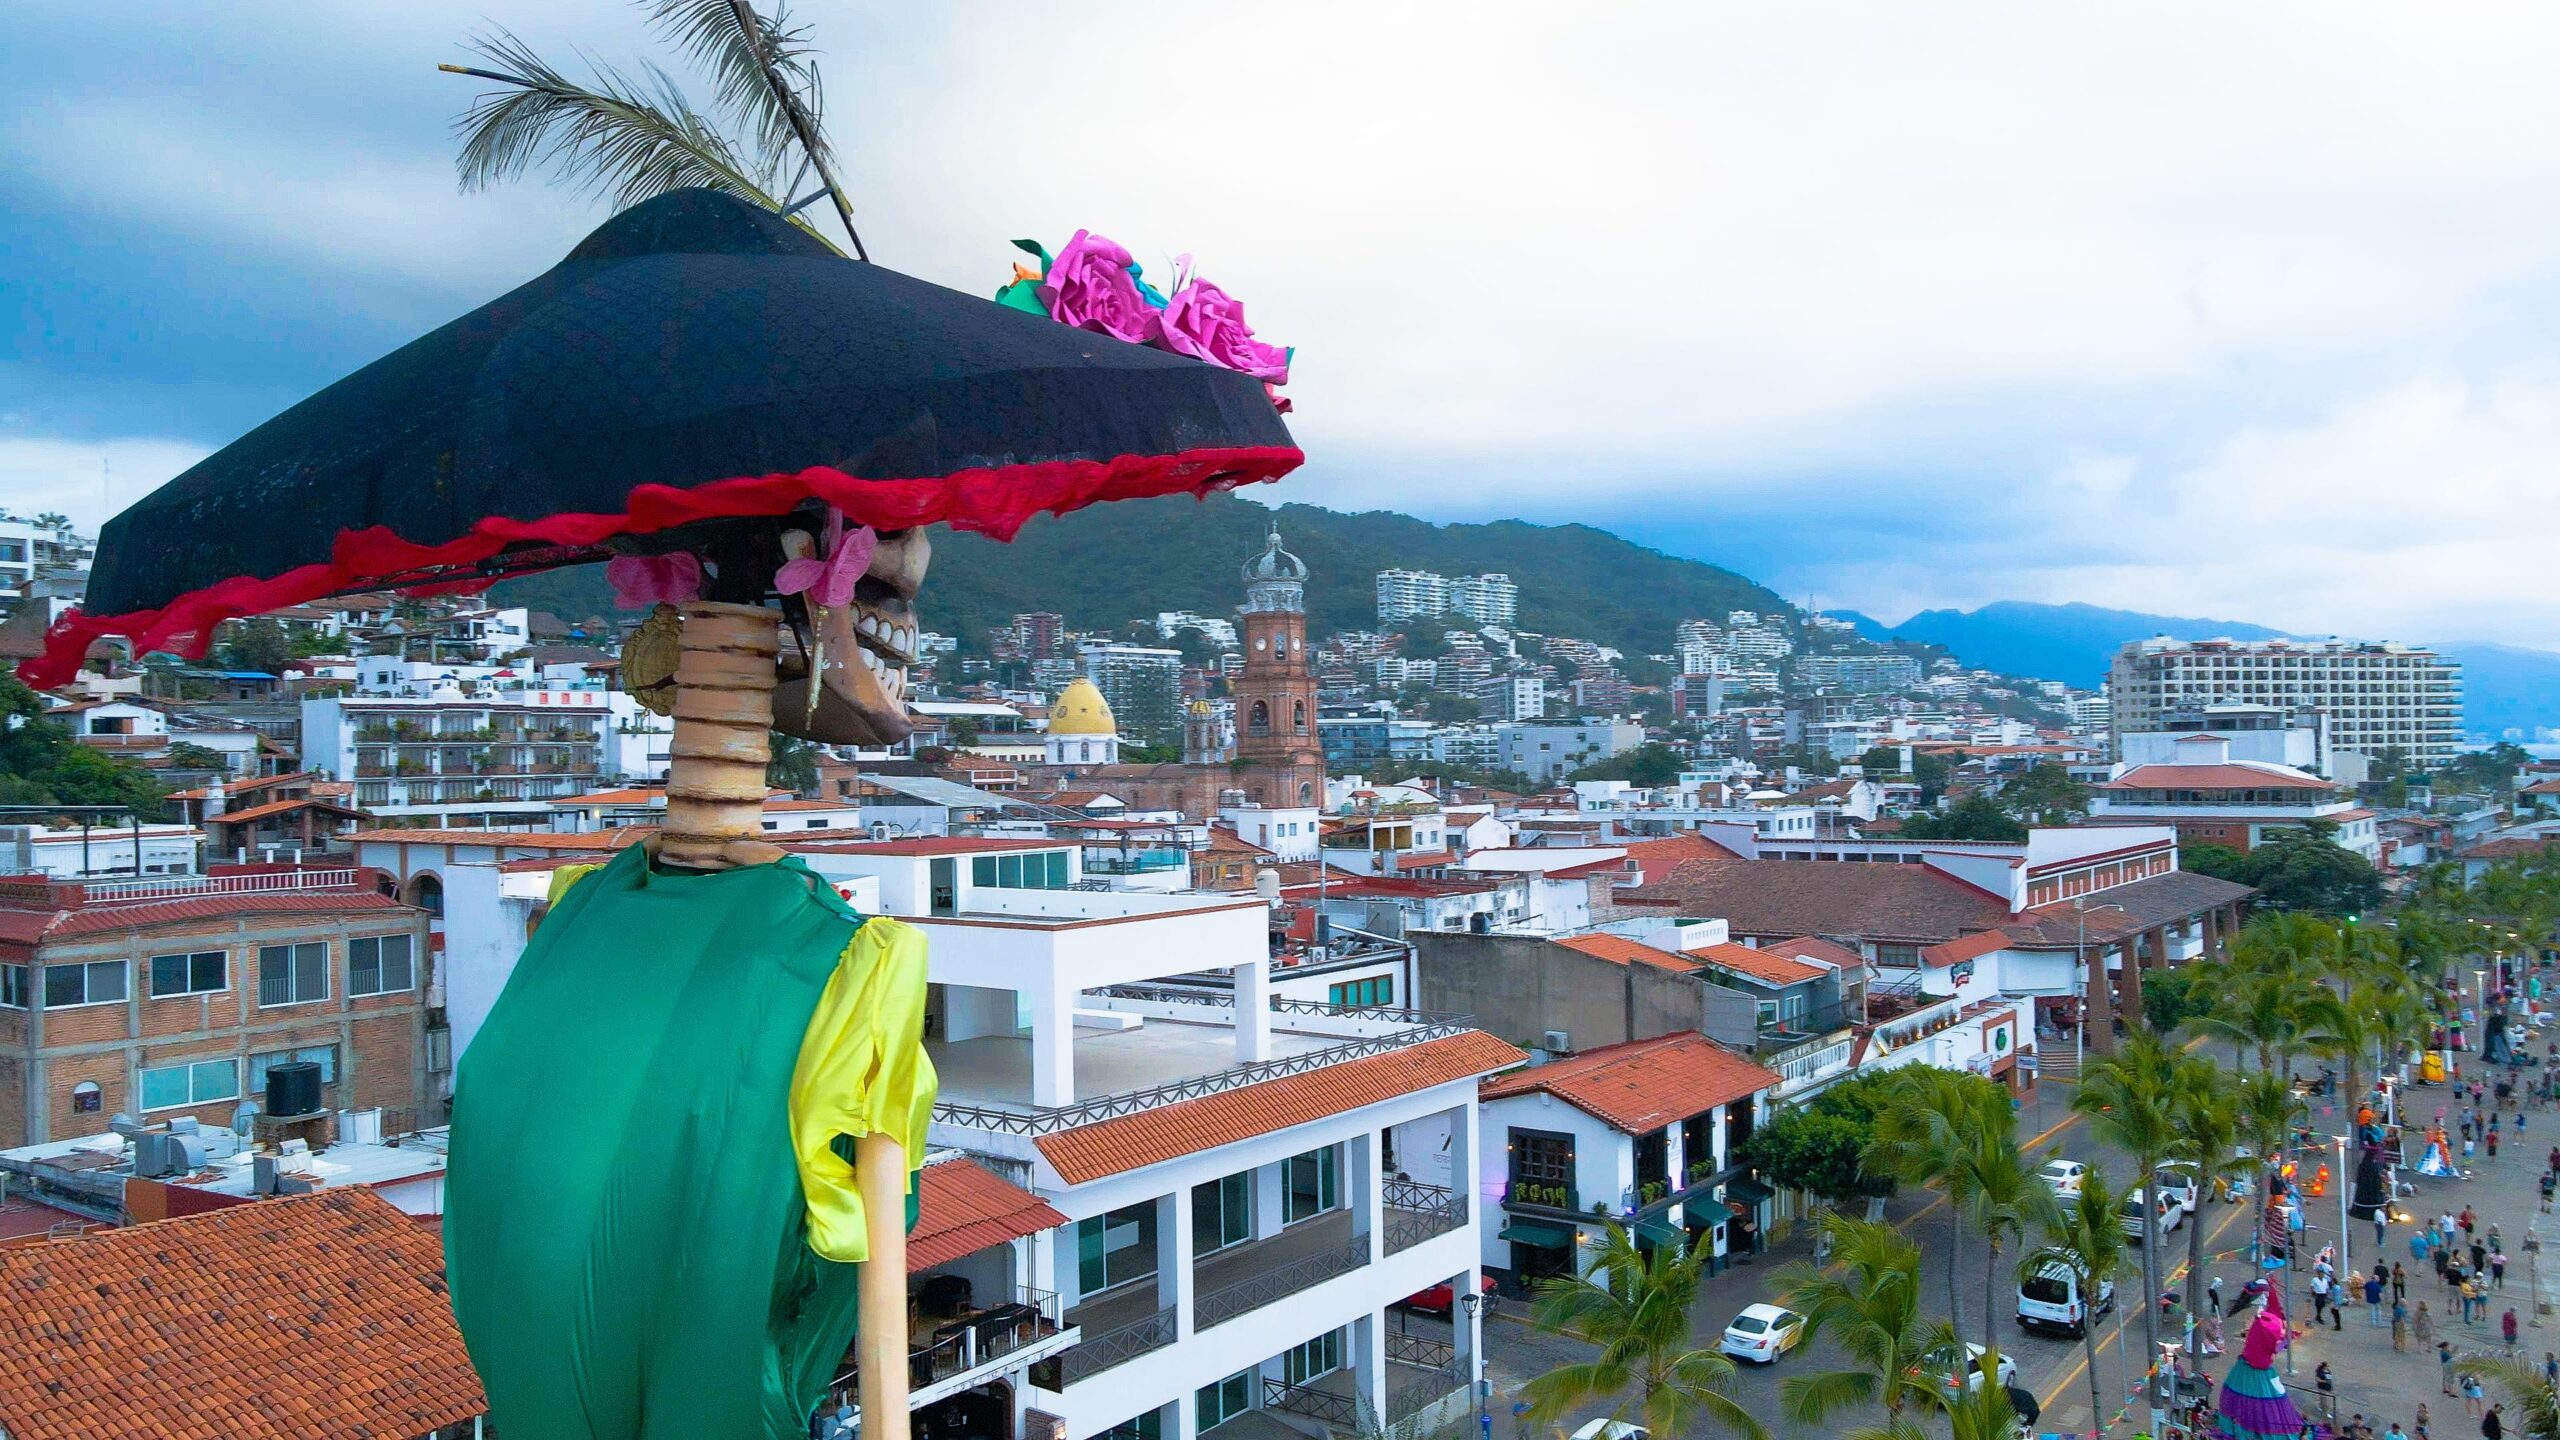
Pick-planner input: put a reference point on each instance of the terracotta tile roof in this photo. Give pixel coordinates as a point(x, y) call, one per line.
point(1758, 964)
point(1227, 842)
point(930, 845)
point(1899, 903)
point(1619, 950)
point(1131, 1142)
point(2542, 787)
point(1656, 859)
point(1964, 947)
point(617, 838)
point(1642, 1085)
point(2239, 775)
point(37, 927)
point(284, 807)
point(234, 789)
point(1814, 947)
point(2509, 847)
point(963, 1207)
point(313, 1315)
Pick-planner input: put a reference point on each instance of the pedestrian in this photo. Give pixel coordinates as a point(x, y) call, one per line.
point(2443, 1262)
point(2421, 1424)
point(2507, 1329)
point(2471, 1395)
point(2498, 1269)
point(2322, 1381)
point(2491, 1427)
point(2550, 1183)
point(2400, 1325)
point(2479, 1257)
point(2209, 1333)
point(2466, 1154)
point(2493, 1142)
point(2319, 1293)
point(2444, 1365)
point(2399, 1282)
point(2425, 1326)
point(2213, 1294)
point(2392, 1431)
point(2550, 1369)
point(2423, 1239)
point(2373, 1298)
point(2467, 1221)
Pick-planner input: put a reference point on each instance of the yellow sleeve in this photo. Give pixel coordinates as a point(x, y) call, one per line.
point(563, 878)
point(862, 1069)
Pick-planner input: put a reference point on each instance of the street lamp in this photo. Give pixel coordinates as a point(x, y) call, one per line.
point(1472, 1302)
point(2346, 1243)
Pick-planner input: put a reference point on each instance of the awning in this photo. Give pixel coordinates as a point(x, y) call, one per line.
point(1703, 1211)
point(1544, 1237)
point(1660, 1232)
point(1746, 1191)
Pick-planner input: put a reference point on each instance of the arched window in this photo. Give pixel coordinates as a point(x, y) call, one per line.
point(1306, 792)
point(1260, 724)
point(1300, 720)
point(426, 891)
point(87, 1098)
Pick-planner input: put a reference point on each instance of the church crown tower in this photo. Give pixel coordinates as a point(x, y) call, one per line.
point(1275, 691)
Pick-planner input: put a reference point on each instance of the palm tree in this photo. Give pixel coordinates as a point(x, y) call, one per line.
point(2087, 1239)
point(2266, 1109)
point(2127, 1098)
point(2537, 1404)
point(1929, 1133)
point(2256, 1009)
point(2205, 1119)
point(2008, 1198)
point(1868, 1302)
point(1635, 1309)
point(632, 137)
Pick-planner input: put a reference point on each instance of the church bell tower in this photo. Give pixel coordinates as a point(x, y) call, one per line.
point(1281, 762)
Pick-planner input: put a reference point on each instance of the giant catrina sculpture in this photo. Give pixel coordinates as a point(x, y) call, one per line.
point(652, 1227)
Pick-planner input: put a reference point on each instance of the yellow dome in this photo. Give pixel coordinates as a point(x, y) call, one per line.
point(1201, 707)
point(1081, 710)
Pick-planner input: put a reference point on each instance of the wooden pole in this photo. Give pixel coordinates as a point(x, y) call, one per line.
point(715, 821)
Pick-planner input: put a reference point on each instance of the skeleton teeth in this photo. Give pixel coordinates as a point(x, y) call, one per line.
point(870, 627)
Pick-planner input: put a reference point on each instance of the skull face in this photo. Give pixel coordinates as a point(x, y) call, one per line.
point(863, 650)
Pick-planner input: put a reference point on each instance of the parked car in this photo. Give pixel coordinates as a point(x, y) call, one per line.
point(1612, 1430)
point(1762, 1333)
point(1939, 1367)
point(1435, 1299)
point(2050, 1302)
point(2063, 1177)
point(2166, 1215)
point(2176, 1183)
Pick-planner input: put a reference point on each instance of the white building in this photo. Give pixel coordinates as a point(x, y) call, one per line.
point(2213, 799)
point(1644, 1134)
point(492, 757)
point(2377, 697)
point(1546, 752)
point(1289, 832)
point(70, 852)
point(2257, 734)
point(1512, 697)
point(1489, 599)
point(28, 550)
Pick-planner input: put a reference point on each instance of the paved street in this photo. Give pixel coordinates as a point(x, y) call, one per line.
point(2370, 1379)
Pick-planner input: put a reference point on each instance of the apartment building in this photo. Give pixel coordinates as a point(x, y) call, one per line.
point(2376, 696)
point(1488, 599)
point(1548, 752)
point(172, 997)
point(1513, 697)
point(1858, 674)
point(1143, 686)
point(28, 550)
point(495, 757)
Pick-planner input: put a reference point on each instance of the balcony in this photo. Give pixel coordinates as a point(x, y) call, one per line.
point(1225, 1284)
point(966, 1351)
point(1416, 1212)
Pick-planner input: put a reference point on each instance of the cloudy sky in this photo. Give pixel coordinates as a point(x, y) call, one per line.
point(2210, 310)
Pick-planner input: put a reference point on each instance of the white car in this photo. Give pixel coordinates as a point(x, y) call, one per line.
point(1611, 1430)
point(1938, 1366)
point(2166, 1216)
point(2063, 1177)
point(1762, 1333)
point(2050, 1301)
point(2176, 1183)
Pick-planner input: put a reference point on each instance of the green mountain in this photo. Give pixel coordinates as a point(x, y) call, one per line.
point(1107, 565)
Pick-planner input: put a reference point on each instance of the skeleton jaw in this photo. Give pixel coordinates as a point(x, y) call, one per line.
point(864, 651)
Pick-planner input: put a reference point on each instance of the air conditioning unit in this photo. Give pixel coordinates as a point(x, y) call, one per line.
point(1558, 1041)
point(880, 830)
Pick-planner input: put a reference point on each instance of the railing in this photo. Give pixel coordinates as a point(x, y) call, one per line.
point(1097, 1353)
point(1028, 1120)
point(1307, 1400)
point(1035, 1316)
point(1216, 1307)
point(1425, 1391)
point(1420, 1350)
point(1415, 1212)
point(184, 886)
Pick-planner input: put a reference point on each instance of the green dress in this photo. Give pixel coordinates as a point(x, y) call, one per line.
point(626, 1227)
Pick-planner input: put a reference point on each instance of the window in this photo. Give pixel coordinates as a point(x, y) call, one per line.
point(1225, 1400)
point(1539, 1157)
point(1313, 1182)
point(1260, 721)
point(1040, 870)
point(380, 965)
point(1116, 1248)
point(1146, 1426)
point(200, 1083)
point(87, 1098)
point(196, 973)
point(1222, 1212)
point(1320, 1356)
point(1371, 993)
point(100, 982)
point(292, 974)
point(324, 1056)
point(13, 986)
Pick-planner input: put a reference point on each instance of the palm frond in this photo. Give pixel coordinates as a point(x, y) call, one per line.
point(620, 137)
point(712, 33)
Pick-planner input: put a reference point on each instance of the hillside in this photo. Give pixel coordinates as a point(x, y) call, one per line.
point(1106, 565)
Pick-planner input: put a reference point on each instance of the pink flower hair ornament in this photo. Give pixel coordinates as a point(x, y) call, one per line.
point(640, 581)
point(829, 579)
point(1092, 284)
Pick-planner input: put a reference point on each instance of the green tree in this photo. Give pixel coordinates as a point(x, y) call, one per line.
point(2008, 1200)
point(261, 645)
point(2126, 1098)
point(1650, 765)
point(2220, 862)
point(2171, 998)
point(962, 732)
point(1868, 1302)
point(183, 756)
point(1975, 817)
point(2045, 795)
point(1807, 1149)
point(40, 764)
point(2306, 870)
point(1634, 1309)
point(793, 765)
point(2205, 1125)
point(2086, 1238)
point(1930, 1132)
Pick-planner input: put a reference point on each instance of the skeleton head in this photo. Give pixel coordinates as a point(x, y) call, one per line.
point(861, 651)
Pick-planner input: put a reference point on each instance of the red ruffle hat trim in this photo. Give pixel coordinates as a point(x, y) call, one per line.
point(994, 502)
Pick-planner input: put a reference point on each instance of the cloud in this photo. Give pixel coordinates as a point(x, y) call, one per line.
point(87, 480)
point(1904, 306)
